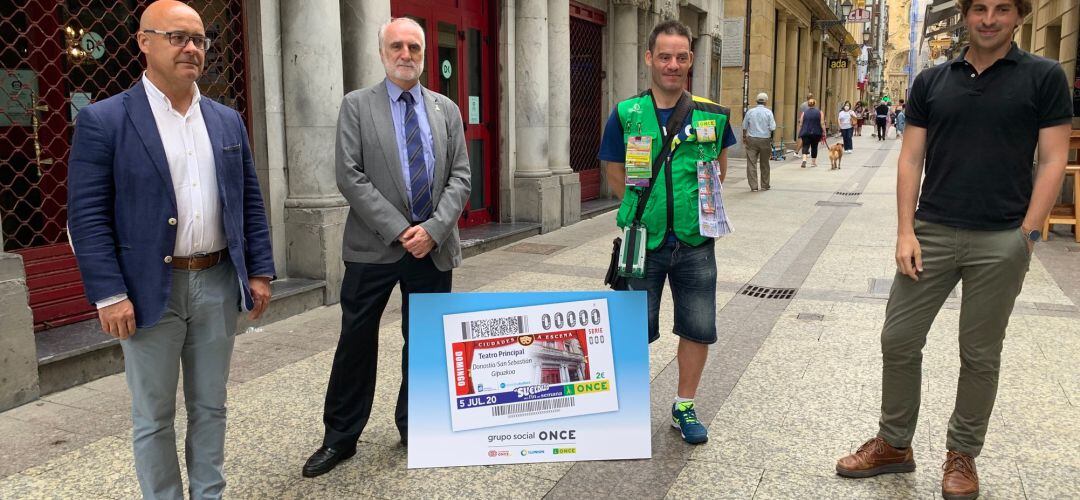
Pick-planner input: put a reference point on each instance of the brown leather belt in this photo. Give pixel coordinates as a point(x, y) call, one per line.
point(198, 262)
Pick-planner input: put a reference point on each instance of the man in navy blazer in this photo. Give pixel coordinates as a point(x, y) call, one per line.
point(168, 226)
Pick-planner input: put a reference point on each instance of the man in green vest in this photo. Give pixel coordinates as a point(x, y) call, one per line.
point(676, 250)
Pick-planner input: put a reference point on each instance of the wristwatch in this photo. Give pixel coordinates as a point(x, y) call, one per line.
point(1032, 235)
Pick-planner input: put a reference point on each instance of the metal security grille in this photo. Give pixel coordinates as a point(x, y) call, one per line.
point(765, 292)
point(57, 57)
point(586, 108)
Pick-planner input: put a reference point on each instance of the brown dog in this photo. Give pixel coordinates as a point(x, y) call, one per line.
point(836, 152)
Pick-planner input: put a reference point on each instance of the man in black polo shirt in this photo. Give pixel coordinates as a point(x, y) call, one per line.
point(976, 121)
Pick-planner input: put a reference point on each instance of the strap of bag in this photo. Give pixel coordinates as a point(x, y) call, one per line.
point(674, 124)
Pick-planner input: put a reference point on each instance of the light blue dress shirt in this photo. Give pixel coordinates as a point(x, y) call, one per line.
point(397, 110)
point(759, 122)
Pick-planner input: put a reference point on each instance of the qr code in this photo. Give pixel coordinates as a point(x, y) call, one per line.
point(493, 327)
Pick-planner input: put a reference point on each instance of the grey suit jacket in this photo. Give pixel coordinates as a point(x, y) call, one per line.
point(369, 176)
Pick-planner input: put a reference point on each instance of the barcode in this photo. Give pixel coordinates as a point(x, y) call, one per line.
point(493, 327)
point(532, 406)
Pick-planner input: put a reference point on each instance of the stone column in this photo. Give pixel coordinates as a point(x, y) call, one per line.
point(806, 66)
point(625, 54)
point(558, 28)
point(703, 65)
point(815, 63)
point(791, 85)
point(538, 192)
point(267, 132)
point(646, 20)
point(360, 21)
point(779, 94)
point(312, 77)
point(19, 370)
point(848, 86)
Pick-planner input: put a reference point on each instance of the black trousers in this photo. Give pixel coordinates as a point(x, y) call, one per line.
point(365, 291)
point(810, 144)
point(879, 128)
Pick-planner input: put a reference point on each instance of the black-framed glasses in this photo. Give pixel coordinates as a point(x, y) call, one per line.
point(181, 39)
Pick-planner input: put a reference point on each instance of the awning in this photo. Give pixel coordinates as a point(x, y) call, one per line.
point(938, 12)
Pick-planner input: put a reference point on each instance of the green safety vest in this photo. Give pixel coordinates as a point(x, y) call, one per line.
point(671, 205)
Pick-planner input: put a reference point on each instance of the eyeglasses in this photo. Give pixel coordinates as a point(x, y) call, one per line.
point(181, 39)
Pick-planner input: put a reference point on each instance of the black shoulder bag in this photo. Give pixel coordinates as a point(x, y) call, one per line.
point(674, 124)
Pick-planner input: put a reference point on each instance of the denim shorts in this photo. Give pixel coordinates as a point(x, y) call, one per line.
point(691, 271)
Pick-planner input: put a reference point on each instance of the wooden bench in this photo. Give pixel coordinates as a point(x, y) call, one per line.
point(1067, 213)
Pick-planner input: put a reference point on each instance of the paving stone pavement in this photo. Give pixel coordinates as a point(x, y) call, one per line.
point(791, 385)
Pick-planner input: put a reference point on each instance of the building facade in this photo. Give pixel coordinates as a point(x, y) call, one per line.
point(535, 81)
point(1052, 30)
point(789, 49)
point(898, 47)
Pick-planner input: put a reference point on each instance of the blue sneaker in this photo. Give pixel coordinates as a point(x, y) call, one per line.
point(684, 418)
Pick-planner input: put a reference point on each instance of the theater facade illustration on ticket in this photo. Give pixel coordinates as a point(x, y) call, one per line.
point(499, 378)
point(529, 363)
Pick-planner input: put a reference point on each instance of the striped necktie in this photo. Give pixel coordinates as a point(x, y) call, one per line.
point(419, 182)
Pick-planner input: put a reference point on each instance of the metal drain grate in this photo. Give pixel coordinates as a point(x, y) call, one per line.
point(847, 193)
point(872, 166)
point(824, 203)
point(810, 316)
point(765, 292)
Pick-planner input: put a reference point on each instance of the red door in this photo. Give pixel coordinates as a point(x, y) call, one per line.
point(459, 63)
point(55, 58)
point(35, 132)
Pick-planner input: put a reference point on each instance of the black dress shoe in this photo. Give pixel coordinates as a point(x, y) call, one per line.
point(325, 459)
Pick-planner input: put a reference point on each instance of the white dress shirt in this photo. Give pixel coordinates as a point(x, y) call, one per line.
point(194, 176)
point(190, 157)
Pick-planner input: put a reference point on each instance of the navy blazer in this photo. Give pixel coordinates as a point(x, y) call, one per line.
point(120, 200)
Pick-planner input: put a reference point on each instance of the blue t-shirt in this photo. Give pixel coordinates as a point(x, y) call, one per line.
point(613, 149)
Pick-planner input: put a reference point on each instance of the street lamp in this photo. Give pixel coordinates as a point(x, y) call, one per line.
point(845, 9)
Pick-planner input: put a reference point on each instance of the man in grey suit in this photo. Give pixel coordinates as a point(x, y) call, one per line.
point(403, 167)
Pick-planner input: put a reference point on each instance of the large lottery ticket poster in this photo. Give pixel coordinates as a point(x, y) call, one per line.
point(499, 378)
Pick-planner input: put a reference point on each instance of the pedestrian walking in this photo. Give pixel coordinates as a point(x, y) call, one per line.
point(403, 167)
point(847, 126)
point(881, 120)
point(171, 238)
point(676, 251)
point(758, 127)
point(860, 118)
point(901, 121)
point(805, 104)
point(978, 218)
point(811, 130)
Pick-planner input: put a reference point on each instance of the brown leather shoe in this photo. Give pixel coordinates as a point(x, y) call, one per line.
point(960, 480)
point(875, 457)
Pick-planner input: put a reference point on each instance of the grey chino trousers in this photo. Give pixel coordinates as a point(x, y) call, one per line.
point(196, 332)
point(992, 266)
